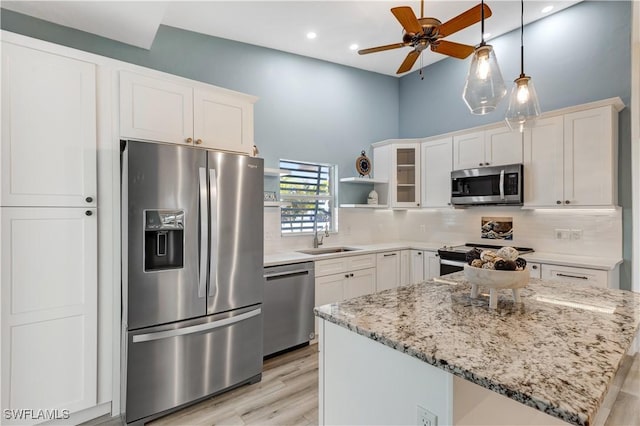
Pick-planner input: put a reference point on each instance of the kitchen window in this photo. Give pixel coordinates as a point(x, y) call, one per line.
point(310, 188)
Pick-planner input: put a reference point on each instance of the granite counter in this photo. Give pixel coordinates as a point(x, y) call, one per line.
point(557, 351)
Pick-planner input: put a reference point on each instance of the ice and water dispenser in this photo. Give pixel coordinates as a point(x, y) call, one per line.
point(163, 239)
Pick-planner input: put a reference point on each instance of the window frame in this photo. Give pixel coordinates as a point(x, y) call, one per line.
point(332, 198)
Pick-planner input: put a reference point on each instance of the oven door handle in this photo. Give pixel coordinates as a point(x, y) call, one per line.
point(452, 262)
point(502, 184)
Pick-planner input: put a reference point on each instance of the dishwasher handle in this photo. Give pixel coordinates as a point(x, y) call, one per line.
point(285, 274)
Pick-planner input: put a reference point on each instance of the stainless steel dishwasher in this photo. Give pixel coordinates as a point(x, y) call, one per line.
point(289, 293)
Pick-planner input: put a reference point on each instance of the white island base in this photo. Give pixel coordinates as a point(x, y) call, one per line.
point(363, 382)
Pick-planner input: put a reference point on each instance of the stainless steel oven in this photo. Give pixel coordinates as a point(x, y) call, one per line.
point(498, 185)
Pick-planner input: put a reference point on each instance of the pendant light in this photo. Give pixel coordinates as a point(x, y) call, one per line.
point(484, 86)
point(523, 101)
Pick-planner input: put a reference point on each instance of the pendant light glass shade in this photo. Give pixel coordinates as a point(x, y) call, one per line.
point(524, 107)
point(484, 86)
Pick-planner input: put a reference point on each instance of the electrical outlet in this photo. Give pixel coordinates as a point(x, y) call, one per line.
point(426, 417)
point(563, 234)
point(576, 234)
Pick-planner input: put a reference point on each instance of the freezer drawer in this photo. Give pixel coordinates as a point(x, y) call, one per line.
point(288, 306)
point(175, 364)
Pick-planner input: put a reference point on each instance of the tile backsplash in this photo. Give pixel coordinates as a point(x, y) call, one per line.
point(600, 231)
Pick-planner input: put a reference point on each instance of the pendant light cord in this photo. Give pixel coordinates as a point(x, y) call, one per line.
point(521, 38)
point(482, 43)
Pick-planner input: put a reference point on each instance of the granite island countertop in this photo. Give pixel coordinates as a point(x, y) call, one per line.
point(557, 352)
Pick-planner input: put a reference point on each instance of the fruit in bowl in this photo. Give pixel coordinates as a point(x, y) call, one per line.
point(501, 269)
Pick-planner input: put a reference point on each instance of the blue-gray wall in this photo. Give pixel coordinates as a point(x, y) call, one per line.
point(570, 61)
point(309, 110)
point(319, 111)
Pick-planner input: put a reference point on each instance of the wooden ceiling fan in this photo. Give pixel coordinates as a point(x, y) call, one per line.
point(426, 31)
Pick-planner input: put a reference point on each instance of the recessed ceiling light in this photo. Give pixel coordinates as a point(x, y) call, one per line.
point(311, 35)
point(547, 9)
point(353, 47)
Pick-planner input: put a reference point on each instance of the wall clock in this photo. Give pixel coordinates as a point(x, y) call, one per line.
point(363, 164)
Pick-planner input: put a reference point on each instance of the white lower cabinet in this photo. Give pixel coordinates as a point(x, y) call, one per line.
point(416, 267)
point(431, 265)
point(593, 277)
point(406, 271)
point(49, 308)
point(360, 283)
point(535, 270)
point(344, 278)
point(387, 270)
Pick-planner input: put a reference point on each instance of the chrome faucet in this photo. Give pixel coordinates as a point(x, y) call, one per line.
point(317, 243)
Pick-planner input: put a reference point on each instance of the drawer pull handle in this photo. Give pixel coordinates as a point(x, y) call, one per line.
point(572, 276)
point(390, 254)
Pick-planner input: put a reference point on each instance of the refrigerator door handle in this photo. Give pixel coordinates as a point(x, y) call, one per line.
point(213, 261)
point(195, 328)
point(204, 232)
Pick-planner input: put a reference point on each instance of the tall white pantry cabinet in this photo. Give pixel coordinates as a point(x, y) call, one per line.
point(48, 231)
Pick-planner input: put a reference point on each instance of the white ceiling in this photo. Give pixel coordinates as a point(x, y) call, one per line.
point(283, 25)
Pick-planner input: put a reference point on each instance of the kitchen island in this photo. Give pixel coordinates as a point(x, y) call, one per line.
point(385, 358)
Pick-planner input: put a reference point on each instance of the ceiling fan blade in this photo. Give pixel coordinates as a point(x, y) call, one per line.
point(464, 20)
point(407, 19)
point(381, 48)
point(450, 48)
point(408, 61)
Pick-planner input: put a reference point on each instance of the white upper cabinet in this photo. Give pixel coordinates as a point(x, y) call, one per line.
point(502, 146)
point(590, 157)
point(437, 157)
point(222, 121)
point(175, 112)
point(468, 150)
point(543, 163)
point(492, 147)
point(399, 162)
point(571, 159)
point(156, 110)
point(48, 129)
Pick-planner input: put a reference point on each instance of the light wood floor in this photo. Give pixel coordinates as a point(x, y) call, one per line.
point(288, 395)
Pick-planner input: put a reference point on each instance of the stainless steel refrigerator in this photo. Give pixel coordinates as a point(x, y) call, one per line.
point(192, 274)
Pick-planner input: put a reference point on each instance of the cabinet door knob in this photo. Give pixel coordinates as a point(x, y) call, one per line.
point(480, 164)
point(350, 275)
point(89, 199)
point(567, 201)
point(189, 140)
point(419, 253)
point(198, 141)
point(88, 212)
point(486, 164)
point(418, 204)
point(558, 202)
point(534, 267)
point(346, 275)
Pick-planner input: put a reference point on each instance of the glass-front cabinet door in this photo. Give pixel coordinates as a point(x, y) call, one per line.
point(406, 179)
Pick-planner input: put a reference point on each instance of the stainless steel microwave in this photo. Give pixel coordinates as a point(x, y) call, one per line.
point(496, 185)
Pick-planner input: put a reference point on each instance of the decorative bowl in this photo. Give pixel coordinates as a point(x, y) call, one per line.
point(496, 279)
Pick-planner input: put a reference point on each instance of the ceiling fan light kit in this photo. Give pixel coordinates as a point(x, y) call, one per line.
point(484, 87)
point(524, 107)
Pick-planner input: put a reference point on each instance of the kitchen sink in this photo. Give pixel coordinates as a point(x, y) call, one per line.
point(327, 250)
